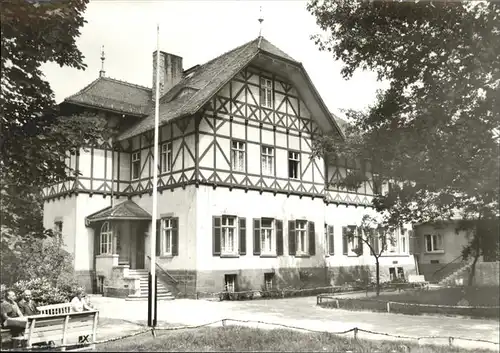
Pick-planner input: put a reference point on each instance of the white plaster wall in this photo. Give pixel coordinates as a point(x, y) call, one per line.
point(453, 243)
point(182, 204)
point(84, 236)
point(65, 210)
point(251, 205)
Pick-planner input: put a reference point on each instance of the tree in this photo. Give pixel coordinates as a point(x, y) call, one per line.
point(433, 134)
point(34, 138)
point(376, 236)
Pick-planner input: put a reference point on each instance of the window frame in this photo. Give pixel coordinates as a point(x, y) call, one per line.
point(133, 163)
point(269, 157)
point(266, 92)
point(297, 161)
point(439, 238)
point(106, 234)
point(230, 281)
point(235, 235)
point(269, 281)
point(164, 230)
point(303, 231)
point(165, 155)
point(237, 152)
point(272, 237)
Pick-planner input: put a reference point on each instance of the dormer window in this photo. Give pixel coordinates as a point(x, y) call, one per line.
point(266, 92)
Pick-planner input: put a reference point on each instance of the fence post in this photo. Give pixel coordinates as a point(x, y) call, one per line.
point(356, 333)
point(338, 306)
point(450, 341)
point(388, 307)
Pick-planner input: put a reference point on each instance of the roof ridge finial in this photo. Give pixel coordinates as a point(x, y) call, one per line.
point(102, 72)
point(261, 19)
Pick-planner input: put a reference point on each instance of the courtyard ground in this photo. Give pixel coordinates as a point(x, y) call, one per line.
point(304, 313)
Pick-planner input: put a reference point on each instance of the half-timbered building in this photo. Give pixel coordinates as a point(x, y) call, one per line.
point(242, 203)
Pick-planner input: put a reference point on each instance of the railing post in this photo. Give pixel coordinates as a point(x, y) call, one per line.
point(388, 307)
point(338, 305)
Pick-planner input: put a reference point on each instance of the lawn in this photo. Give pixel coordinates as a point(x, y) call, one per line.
point(244, 339)
point(470, 298)
point(475, 296)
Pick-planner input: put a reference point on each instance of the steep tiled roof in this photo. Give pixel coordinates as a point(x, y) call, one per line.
point(123, 211)
point(115, 95)
point(204, 83)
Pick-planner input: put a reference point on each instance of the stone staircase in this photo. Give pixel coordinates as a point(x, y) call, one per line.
point(450, 280)
point(162, 291)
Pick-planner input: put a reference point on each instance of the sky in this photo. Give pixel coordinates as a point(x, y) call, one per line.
point(198, 31)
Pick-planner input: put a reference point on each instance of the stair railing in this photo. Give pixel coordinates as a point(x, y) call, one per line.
point(442, 268)
point(164, 271)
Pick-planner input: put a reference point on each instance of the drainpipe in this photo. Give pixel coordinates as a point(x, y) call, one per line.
point(112, 170)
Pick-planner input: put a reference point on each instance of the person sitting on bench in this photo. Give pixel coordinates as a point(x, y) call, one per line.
point(78, 303)
point(10, 309)
point(27, 305)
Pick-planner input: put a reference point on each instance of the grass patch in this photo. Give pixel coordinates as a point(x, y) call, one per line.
point(244, 339)
point(403, 302)
point(475, 296)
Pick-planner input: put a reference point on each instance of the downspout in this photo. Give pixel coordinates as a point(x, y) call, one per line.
point(112, 170)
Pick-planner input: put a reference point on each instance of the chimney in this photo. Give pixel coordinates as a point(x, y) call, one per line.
point(170, 72)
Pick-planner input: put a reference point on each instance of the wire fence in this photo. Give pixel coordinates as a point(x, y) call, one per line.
point(452, 340)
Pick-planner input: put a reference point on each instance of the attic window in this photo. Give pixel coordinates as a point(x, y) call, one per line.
point(266, 92)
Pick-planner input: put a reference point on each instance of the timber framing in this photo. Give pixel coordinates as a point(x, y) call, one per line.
point(201, 150)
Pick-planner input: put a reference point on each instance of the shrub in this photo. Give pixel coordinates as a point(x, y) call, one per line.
point(37, 258)
point(44, 293)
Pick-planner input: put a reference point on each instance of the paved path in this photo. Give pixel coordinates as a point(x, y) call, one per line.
point(303, 312)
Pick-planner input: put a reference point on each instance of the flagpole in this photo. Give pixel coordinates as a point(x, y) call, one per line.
point(155, 183)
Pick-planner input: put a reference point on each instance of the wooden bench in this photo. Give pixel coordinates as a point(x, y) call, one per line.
point(54, 309)
point(418, 280)
point(67, 328)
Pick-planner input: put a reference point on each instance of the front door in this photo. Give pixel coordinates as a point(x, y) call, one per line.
point(139, 252)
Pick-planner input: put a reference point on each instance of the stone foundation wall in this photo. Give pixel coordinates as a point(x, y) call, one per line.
point(253, 279)
point(186, 282)
point(338, 276)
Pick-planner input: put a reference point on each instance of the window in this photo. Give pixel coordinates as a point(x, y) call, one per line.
point(229, 236)
point(329, 240)
point(268, 243)
point(269, 281)
point(293, 165)
point(166, 157)
point(301, 238)
point(267, 160)
point(392, 273)
point(167, 236)
point(230, 283)
point(300, 231)
point(392, 243)
point(266, 92)
point(228, 241)
point(136, 165)
point(401, 273)
point(238, 156)
point(351, 244)
point(267, 237)
point(433, 243)
point(106, 239)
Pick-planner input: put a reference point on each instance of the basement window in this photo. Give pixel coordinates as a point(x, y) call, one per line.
point(230, 283)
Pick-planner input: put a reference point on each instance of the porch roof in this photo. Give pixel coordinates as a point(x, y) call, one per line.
point(127, 210)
